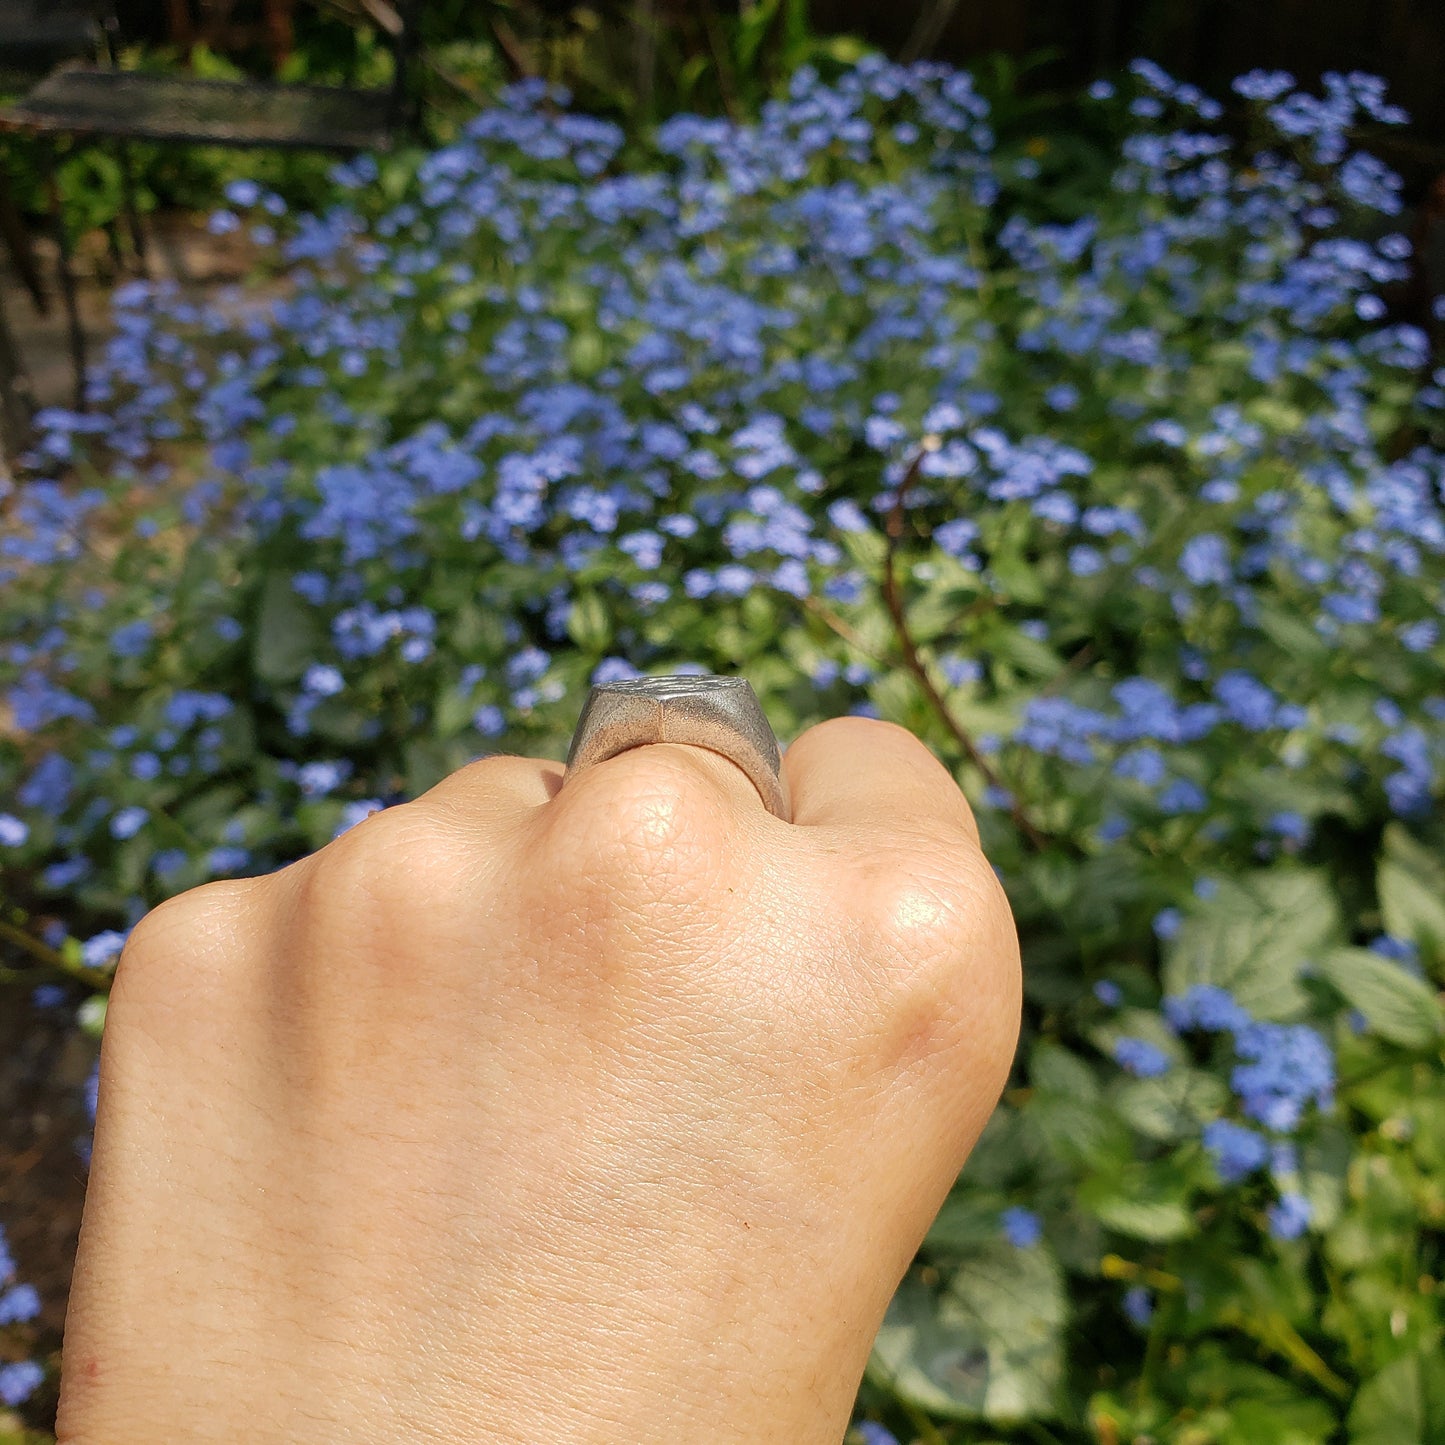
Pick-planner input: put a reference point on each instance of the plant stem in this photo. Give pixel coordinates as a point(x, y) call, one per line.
point(927, 1430)
point(893, 600)
point(848, 633)
point(48, 957)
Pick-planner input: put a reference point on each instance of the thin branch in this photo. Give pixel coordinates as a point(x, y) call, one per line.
point(731, 105)
point(849, 634)
point(463, 88)
point(1080, 659)
point(927, 32)
point(893, 600)
point(511, 47)
point(51, 958)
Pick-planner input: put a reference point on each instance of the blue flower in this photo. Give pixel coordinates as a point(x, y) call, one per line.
point(1021, 1227)
point(168, 861)
point(185, 708)
point(18, 1304)
point(1205, 560)
point(1370, 183)
point(132, 639)
point(1138, 1305)
point(66, 873)
point(1289, 1066)
point(1419, 636)
point(102, 949)
point(613, 669)
point(1290, 826)
point(1237, 1151)
point(319, 778)
point(869, 1432)
point(227, 859)
point(1264, 84)
point(13, 832)
point(1289, 1216)
point(128, 822)
point(145, 767)
point(1143, 765)
point(1182, 796)
point(1140, 1058)
point(1167, 922)
point(960, 671)
point(489, 720)
point(322, 680)
point(1283, 1159)
point(243, 193)
point(1108, 993)
point(19, 1381)
point(1402, 950)
point(1205, 1006)
point(355, 812)
point(1246, 700)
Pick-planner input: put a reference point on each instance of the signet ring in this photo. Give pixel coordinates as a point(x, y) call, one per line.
point(722, 714)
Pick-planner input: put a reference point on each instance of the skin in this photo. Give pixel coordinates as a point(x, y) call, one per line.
point(607, 1114)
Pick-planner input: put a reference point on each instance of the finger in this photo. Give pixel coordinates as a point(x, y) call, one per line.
point(495, 789)
point(678, 764)
point(860, 772)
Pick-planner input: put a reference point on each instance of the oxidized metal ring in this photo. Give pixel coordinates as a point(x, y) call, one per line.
point(721, 714)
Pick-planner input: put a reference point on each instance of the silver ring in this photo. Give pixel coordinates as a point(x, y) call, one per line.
point(722, 714)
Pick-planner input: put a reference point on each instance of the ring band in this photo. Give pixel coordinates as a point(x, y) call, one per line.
point(721, 714)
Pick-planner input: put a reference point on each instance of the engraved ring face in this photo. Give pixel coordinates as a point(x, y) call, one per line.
point(721, 714)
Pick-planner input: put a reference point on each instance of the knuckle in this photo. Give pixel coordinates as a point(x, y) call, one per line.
point(196, 911)
point(942, 930)
point(176, 947)
point(646, 819)
point(395, 866)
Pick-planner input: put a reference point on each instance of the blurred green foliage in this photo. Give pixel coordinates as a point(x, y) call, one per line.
point(549, 403)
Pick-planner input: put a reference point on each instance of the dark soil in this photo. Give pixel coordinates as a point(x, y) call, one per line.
point(44, 1060)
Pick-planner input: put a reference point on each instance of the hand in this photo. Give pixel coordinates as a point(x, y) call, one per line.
point(612, 1114)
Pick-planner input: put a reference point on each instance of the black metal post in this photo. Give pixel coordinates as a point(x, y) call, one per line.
point(16, 398)
point(132, 211)
point(67, 281)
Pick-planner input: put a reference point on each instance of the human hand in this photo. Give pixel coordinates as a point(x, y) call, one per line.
point(612, 1114)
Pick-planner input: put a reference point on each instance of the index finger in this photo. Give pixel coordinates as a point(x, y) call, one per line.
point(870, 774)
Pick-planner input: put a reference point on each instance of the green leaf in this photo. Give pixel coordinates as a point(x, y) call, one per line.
point(990, 1347)
point(1057, 1070)
point(1300, 1421)
point(427, 760)
point(1398, 1006)
point(453, 710)
point(1411, 883)
point(1144, 1201)
point(1068, 1111)
point(588, 624)
point(1174, 1106)
point(1079, 1131)
point(1287, 627)
point(1323, 1169)
point(1252, 938)
point(1030, 656)
point(288, 635)
point(1402, 1405)
point(967, 1221)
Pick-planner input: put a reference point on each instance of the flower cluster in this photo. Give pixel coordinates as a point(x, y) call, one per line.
point(1283, 1069)
point(1133, 508)
point(19, 1303)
